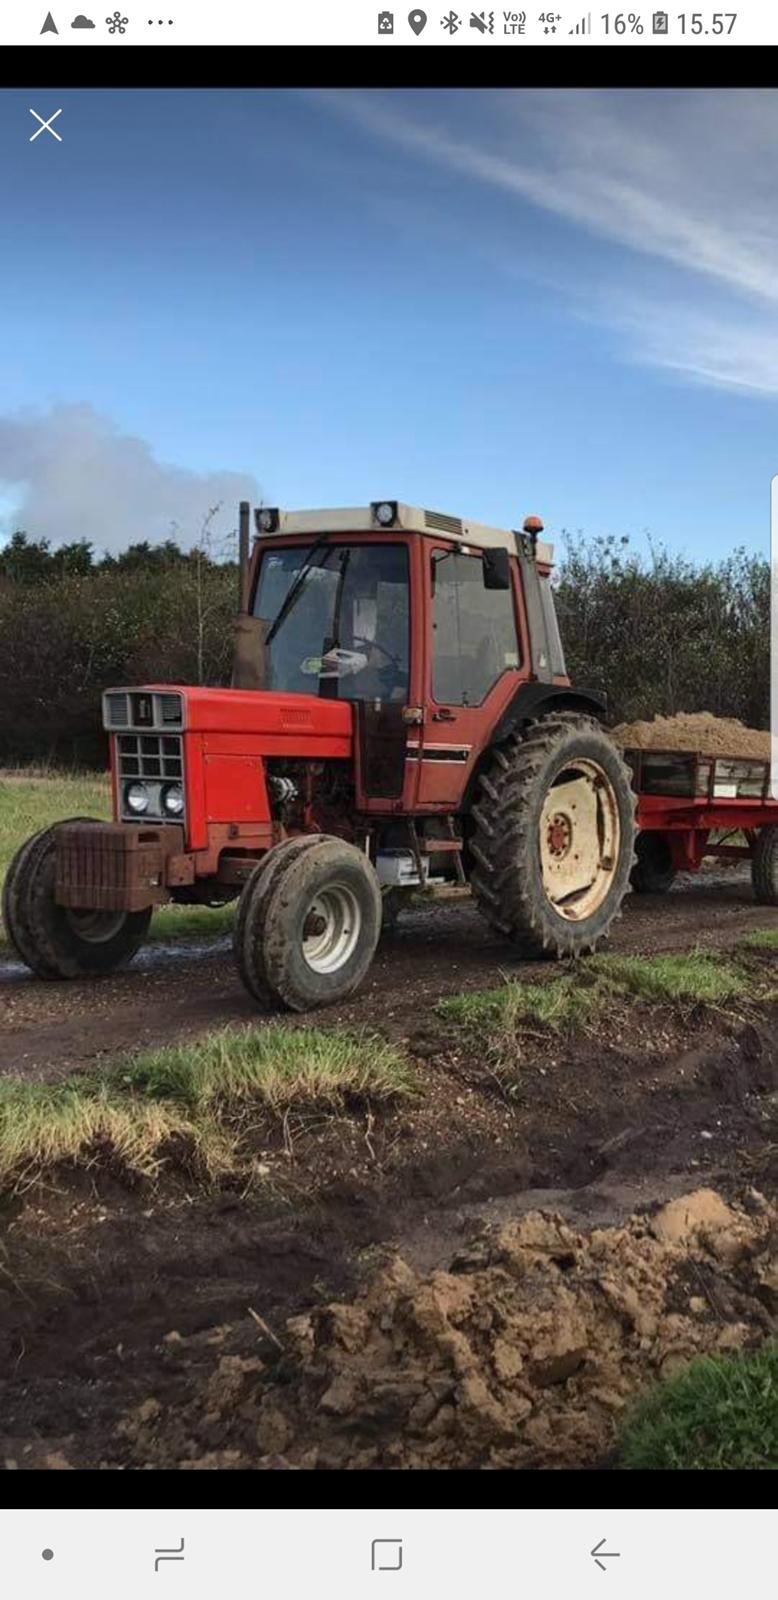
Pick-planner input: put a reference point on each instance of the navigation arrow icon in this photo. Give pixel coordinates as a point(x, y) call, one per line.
point(49, 25)
point(601, 1556)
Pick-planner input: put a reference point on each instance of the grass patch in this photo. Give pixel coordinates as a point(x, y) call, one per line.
point(191, 922)
point(760, 939)
point(495, 1019)
point(274, 1066)
point(44, 1124)
point(692, 978)
point(190, 1093)
point(721, 1412)
point(28, 803)
point(560, 1002)
point(572, 999)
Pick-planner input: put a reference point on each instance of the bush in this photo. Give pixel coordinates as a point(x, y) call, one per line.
point(64, 640)
point(665, 636)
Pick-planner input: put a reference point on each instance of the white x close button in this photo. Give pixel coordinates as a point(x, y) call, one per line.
point(45, 126)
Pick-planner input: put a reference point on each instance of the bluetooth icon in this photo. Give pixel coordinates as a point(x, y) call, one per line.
point(451, 22)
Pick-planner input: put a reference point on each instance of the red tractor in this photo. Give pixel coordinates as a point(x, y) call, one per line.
point(400, 722)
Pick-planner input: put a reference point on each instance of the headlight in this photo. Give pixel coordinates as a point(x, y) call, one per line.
point(136, 797)
point(384, 512)
point(173, 800)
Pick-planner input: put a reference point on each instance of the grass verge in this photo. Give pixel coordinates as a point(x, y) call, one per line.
point(28, 803)
point(720, 1412)
point(760, 939)
point(187, 1096)
point(573, 997)
point(593, 990)
point(275, 1066)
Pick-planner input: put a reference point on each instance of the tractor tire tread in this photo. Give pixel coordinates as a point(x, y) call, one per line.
point(503, 882)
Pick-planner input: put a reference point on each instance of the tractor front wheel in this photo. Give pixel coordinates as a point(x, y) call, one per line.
point(764, 867)
point(56, 941)
point(554, 838)
point(308, 923)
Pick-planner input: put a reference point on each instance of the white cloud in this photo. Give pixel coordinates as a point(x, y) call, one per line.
point(70, 474)
point(684, 182)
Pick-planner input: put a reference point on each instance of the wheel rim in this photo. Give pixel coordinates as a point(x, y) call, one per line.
point(331, 929)
point(580, 837)
point(96, 927)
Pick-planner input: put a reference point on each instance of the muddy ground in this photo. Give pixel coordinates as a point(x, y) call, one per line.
point(122, 1309)
point(169, 993)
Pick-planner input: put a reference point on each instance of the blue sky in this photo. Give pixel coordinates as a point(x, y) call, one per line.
point(487, 302)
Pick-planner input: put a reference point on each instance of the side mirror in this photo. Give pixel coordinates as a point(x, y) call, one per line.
point(249, 653)
point(497, 569)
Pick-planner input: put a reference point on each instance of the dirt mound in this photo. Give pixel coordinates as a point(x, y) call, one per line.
point(523, 1354)
point(698, 731)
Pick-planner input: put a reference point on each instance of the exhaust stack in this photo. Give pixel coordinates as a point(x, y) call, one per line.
point(244, 518)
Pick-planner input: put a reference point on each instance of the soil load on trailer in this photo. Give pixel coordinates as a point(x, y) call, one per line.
point(697, 731)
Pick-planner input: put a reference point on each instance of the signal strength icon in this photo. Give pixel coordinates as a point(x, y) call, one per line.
point(585, 24)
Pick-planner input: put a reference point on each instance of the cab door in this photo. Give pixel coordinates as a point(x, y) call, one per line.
point(476, 657)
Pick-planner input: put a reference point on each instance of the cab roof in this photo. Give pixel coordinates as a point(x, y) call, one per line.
point(408, 519)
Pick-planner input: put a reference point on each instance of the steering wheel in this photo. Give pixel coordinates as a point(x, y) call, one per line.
point(372, 644)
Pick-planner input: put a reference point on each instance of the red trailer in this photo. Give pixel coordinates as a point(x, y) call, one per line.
point(691, 806)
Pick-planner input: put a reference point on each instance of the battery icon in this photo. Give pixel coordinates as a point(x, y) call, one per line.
point(659, 22)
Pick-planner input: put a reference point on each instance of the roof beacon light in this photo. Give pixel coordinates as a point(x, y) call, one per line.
point(533, 526)
point(384, 512)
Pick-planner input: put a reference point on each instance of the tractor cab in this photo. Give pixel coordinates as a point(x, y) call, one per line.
point(421, 620)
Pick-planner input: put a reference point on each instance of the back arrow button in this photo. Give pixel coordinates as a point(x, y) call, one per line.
point(601, 1556)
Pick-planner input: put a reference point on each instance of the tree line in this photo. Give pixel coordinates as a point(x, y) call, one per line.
point(659, 634)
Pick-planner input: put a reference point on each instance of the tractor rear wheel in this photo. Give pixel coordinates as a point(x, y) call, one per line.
point(764, 866)
point(653, 872)
point(56, 941)
point(308, 923)
point(554, 836)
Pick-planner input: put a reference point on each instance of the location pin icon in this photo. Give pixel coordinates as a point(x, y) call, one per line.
point(417, 20)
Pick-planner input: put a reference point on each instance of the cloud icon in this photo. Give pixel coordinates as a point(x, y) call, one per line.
point(81, 22)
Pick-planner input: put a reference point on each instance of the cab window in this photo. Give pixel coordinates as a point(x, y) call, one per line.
point(474, 630)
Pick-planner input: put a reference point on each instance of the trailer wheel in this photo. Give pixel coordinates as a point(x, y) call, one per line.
point(55, 941)
point(653, 872)
point(554, 836)
point(308, 923)
point(764, 866)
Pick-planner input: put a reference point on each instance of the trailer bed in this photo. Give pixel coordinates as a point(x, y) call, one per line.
point(697, 805)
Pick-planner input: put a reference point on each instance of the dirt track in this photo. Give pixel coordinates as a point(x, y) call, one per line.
point(168, 993)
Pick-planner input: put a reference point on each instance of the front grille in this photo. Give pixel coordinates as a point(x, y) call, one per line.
point(155, 760)
point(441, 523)
point(172, 710)
point(142, 708)
point(116, 712)
point(150, 756)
